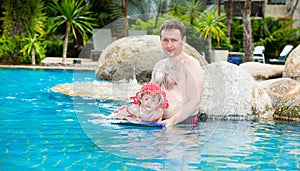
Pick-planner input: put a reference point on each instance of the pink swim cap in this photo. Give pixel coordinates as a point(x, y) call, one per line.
point(153, 89)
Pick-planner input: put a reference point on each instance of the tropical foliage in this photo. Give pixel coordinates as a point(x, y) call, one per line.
point(194, 9)
point(124, 12)
point(76, 17)
point(32, 47)
point(177, 8)
point(195, 18)
point(274, 34)
point(34, 44)
point(20, 19)
point(270, 32)
point(8, 54)
point(211, 26)
point(25, 39)
point(236, 35)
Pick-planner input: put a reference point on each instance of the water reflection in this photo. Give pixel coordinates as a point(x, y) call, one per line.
point(212, 144)
point(209, 145)
point(183, 142)
point(143, 142)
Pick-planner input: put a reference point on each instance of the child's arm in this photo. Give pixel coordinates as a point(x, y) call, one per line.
point(124, 112)
point(160, 112)
point(119, 113)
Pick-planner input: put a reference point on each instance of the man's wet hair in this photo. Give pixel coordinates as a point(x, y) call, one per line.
point(173, 24)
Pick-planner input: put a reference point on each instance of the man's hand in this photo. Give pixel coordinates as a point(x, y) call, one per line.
point(168, 122)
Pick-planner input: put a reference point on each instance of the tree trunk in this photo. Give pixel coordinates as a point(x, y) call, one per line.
point(33, 56)
point(229, 17)
point(124, 10)
point(65, 48)
point(210, 54)
point(219, 13)
point(248, 46)
point(293, 8)
point(158, 12)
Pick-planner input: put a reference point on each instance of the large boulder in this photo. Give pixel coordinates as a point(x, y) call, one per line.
point(289, 107)
point(135, 55)
point(277, 88)
point(231, 92)
point(292, 65)
point(261, 71)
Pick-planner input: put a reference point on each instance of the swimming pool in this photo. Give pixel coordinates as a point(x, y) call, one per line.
point(43, 130)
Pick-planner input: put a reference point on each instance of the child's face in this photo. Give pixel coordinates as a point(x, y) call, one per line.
point(150, 102)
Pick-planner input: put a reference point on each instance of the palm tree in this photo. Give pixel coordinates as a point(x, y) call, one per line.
point(210, 25)
point(177, 8)
point(194, 9)
point(77, 18)
point(33, 47)
point(36, 32)
point(123, 8)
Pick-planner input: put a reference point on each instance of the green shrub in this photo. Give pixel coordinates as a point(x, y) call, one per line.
point(8, 50)
point(54, 48)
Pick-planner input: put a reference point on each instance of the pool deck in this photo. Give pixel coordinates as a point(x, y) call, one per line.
point(56, 63)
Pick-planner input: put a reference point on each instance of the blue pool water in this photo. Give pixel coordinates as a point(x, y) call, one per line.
point(44, 130)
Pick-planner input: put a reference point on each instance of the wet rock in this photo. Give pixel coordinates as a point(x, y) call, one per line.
point(289, 107)
point(292, 65)
point(261, 71)
point(137, 54)
point(277, 88)
point(231, 92)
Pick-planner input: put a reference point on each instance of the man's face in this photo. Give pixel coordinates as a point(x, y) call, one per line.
point(171, 42)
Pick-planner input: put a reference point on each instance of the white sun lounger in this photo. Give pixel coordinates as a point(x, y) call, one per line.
point(258, 54)
point(283, 55)
point(101, 39)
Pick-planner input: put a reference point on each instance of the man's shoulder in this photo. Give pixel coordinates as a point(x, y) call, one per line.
point(192, 60)
point(161, 62)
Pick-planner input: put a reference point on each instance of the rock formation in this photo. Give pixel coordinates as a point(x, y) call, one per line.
point(289, 107)
point(261, 71)
point(292, 65)
point(136, 54)
point(277, 88)
point(230, 92)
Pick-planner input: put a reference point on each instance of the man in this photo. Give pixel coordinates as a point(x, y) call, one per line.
point(180, 75)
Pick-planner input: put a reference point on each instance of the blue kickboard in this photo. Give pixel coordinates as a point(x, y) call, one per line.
point(135, 123)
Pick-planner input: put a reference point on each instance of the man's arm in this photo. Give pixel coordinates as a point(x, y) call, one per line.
point(154, 71)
